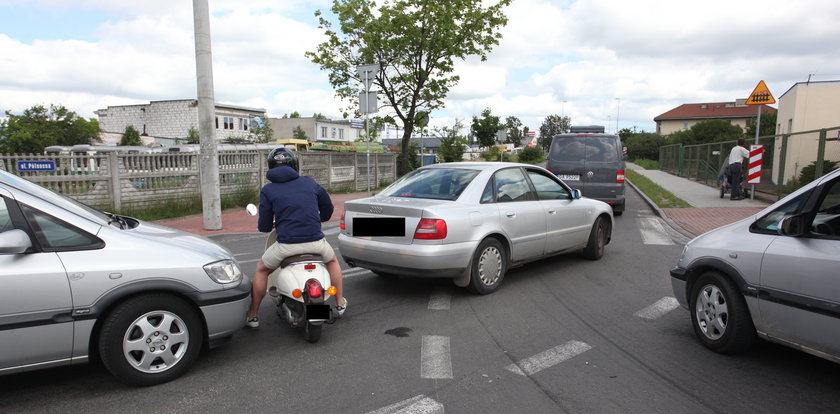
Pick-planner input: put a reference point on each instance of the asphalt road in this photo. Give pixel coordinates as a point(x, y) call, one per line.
point(563, 334)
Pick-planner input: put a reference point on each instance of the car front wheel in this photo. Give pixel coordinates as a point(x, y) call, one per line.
point(150, 339)
point(719, 314)
point(594, 249)
point(489, 265)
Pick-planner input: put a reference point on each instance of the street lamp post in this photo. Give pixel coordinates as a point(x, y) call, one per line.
point(364, 72)
point(617, 109)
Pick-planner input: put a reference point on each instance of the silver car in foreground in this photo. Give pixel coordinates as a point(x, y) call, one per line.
point(77, 284)
point(775, 275)
point(471, 221)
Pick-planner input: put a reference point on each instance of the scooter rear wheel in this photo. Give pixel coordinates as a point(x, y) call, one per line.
point(312, 332)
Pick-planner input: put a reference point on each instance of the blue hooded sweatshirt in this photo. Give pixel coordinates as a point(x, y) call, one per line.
point(294, 205)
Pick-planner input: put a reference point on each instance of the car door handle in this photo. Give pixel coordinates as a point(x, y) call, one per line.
point(552, 211)
point(510, 214)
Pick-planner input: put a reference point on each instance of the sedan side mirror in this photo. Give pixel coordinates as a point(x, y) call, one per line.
point(576, 194)
point(793, 226)
point(14, 242)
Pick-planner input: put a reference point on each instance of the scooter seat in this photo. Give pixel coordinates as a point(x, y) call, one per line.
point(305, 257)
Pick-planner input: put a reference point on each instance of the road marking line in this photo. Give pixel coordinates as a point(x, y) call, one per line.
point(658, 309)
point(653, 232)
point(547, 359)
point(435, 361)
point(420, 404)
point(356, 271)
point(440, 300)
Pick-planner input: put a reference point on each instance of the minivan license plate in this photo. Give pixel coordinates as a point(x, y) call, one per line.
point(569, 177)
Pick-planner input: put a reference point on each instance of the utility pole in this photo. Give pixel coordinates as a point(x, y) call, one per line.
point(365, 101)
point(208, 165)
point(617, 109)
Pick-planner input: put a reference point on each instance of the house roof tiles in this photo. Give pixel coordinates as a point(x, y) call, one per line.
point(712, 110)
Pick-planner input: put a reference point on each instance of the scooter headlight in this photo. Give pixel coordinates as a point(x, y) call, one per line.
point(224, 271)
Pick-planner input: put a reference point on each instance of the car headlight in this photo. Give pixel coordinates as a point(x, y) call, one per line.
point(223, 271)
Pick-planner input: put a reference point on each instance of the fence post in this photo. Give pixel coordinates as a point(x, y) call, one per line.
point(116, 191)
point(818, 171)
point(783, 158)
point(680, 159)
point(355, 171)
point(329, 170)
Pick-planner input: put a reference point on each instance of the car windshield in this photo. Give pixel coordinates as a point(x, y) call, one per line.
point(59, 200)
point(434, 183)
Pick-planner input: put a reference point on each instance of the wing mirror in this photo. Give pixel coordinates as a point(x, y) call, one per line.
point(576, 194)
point(251, 209)
point(14, 242)
point(793, 226)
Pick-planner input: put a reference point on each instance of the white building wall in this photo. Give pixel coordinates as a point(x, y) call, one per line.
point(806, 107)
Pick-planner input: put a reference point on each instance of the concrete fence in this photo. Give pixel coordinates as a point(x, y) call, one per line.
point(121, 182)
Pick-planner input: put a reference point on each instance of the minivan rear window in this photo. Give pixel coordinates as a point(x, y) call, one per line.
point(578, 149)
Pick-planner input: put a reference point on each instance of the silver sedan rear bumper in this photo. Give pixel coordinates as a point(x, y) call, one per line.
point(419, 260)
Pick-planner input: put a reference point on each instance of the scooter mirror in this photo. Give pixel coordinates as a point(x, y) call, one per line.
point(251, 209)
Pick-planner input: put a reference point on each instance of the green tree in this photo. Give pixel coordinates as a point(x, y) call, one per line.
point(39, 127)
point(318, 115)
point(130, 136)
point(413, 155)
point(299, 133)
point(263, 131)
point(514, 130)
point(452, 144)
point(414, 42)
point(551, 126)
point(484, 129)
point(531, 155)
point(768, 125)
point(643, 145)
point(193, 136)
point(716, 130)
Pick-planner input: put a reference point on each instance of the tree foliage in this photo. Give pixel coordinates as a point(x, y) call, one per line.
point(299, 133)
point(711, 130)
point(131, 136)
point(768, 125)
point(452, 144)
point(415, 44)
point(514, 130)
point(551, 126)
point(643, 145)
point(531, 155)
point(484, 129)
point(263, 132)
point(39, 127)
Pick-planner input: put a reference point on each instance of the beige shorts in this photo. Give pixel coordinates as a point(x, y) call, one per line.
point(279, 251)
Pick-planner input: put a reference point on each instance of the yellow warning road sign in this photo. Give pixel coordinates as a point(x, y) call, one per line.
point(761, 95)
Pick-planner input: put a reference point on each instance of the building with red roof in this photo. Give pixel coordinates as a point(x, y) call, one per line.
point(686, 115)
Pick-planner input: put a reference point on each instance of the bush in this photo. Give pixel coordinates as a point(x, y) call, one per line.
point(531, 155)
point(807, 173)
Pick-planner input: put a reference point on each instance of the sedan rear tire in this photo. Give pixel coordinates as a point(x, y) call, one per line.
point(489, 266)
point(719, 314)
point(597, 239)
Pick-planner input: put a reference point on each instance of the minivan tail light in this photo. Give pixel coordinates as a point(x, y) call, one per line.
point(430, 229)
point(341, 222)
point(619, 176)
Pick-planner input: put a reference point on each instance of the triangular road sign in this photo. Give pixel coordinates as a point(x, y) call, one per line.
point(761, 95)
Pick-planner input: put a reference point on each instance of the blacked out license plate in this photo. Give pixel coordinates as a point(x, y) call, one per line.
point(317, 312)
point(379, 226)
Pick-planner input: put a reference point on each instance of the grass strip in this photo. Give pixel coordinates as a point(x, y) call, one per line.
point(662, 197)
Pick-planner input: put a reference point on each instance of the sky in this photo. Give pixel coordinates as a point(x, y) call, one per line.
point(614, 63)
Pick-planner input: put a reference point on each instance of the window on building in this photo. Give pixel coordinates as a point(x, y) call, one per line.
point(333, 132)
point(685, 125)
point(217, 122)
point(323, 132)
point(241, 123)
point(245, 123)
point(341, 134)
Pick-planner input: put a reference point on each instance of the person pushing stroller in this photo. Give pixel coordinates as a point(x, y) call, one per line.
point(735, 167)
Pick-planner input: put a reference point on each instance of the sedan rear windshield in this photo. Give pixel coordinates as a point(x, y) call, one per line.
point(434, 183)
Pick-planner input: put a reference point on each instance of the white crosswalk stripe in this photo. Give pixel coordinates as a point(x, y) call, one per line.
point(658, 309)
point(440, 300)
point(547, 359)
point(653, 232)
point(420, 404)
point(435, 361)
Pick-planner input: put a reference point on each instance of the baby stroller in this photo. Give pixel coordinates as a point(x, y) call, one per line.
point(725, 181)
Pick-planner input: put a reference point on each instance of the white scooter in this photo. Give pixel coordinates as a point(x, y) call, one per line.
point(299, 289)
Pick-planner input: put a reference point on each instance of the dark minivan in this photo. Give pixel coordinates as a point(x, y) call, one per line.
point(591, 161)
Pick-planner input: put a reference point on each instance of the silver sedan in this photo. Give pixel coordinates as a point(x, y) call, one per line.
point(471, 221)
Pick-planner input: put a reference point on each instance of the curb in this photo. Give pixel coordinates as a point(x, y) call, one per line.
point(659, 212)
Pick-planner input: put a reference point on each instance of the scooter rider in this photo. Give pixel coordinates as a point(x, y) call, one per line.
point(295, 205)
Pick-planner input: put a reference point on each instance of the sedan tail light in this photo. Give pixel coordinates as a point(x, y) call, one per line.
point(341, 222)
point(619, 176)
point(430, 229)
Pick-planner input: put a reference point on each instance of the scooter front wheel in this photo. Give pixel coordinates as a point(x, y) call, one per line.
point(312, 332)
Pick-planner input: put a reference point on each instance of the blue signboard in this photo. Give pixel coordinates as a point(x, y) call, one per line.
point(36, 165)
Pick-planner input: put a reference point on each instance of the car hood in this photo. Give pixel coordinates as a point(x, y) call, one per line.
point(180, 239)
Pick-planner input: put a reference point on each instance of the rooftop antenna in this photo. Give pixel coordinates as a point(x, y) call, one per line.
point(809, 77)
